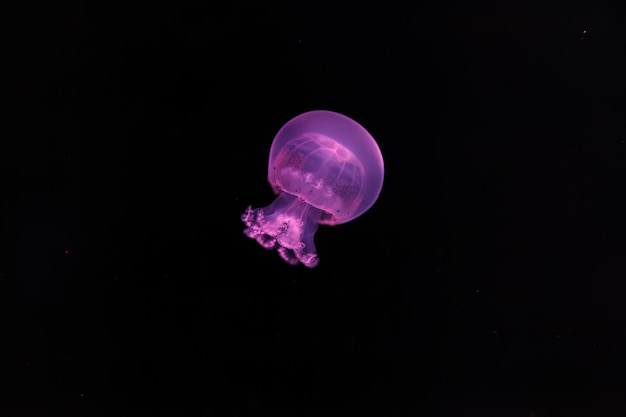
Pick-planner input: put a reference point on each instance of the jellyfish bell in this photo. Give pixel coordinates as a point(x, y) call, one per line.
point(325, 169)
point(335, 153)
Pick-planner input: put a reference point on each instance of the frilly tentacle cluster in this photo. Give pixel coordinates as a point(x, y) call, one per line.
point(281, 234)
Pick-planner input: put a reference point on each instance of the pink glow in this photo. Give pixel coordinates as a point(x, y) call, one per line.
point(325, 168)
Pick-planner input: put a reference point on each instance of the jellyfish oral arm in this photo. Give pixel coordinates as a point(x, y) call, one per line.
point(288, 225)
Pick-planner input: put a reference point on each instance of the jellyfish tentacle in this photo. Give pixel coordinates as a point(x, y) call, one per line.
point(287, 225)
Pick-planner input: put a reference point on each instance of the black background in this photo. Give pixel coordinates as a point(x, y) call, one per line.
point(486, 281)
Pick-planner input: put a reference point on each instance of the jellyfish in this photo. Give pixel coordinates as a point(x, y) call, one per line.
point(326, 169)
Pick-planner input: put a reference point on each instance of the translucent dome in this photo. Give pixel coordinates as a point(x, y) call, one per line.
point(330, 161)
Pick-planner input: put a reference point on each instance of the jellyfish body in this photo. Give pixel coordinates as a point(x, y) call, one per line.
point(325, 169)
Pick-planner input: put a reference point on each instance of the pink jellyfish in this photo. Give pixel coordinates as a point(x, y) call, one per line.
point(325, 168)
